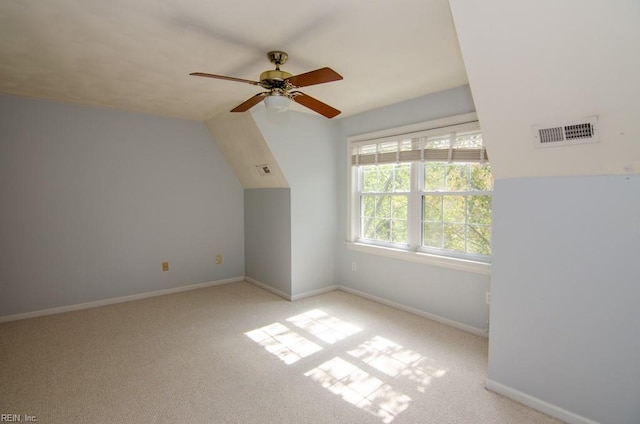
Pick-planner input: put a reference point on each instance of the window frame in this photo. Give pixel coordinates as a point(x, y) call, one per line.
point(414, 251)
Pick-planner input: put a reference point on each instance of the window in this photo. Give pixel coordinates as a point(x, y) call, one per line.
point(384, 200)
point(427, 191)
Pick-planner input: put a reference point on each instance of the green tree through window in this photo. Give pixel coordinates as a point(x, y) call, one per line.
point(384, 202)
point(456, 212)
point(430, 193)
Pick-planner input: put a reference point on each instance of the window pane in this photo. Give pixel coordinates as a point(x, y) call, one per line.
point(384, 218)
point(399, 207)
point(454, 237)
point(432, 208)
point(385, 178)
point(402, 181)
point(383, 207)
point(434, 174)
point(481, 178)
point(383, 229)
point(479, 239)
point(479, 209)
point(369, 179)
point(368, 206)
point(368, 228)
point(399, 231)
point(458, 177)
point(460, 231)
point(454, 209)
point(432, 234)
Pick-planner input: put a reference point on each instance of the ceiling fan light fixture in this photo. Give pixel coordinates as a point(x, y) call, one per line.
point(278, 85)
point(277, 102)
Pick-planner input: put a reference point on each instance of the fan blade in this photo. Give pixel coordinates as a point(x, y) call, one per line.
point(315, 105)
point(202, 74)
point(319, 76)
point(250, 103)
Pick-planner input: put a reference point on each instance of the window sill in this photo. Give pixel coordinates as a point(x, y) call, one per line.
point(424, 258)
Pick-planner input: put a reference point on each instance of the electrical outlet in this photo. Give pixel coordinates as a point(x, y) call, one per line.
point(354, 266)
point(165, 266)
point(218, 259)
point(487, 298)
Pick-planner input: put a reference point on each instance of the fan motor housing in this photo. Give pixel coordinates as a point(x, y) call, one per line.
point(274, 75)
point(274, 80)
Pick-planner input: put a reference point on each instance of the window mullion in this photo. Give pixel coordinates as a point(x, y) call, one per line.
point(356, 203)
point(414, 224)
point(466, 223)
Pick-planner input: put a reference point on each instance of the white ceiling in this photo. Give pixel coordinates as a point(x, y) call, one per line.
point(137, 55)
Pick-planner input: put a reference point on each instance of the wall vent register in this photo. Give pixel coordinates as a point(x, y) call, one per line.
point(263, 169)
point(567, 133)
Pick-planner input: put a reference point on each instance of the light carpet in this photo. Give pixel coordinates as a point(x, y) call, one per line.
point(238, 354)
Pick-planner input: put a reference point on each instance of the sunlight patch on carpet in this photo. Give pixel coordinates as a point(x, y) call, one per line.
point(360, 388)
point(290, 347)
point(395, 360)
point(283, 342)
point(326, 327)
point(369, 385)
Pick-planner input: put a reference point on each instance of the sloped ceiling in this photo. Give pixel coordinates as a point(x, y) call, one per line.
point(137, 55)
point(246, 150)
point(539, 63)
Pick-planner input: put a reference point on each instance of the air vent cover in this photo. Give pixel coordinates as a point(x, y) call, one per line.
point(263, 169)
point(567, 133)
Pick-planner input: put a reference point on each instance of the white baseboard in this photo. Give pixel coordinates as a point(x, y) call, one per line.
point(291, 298)
point(268, 288)
point(115, 300)
point(537, 404)
point(315, 292)
point(433, 317)
point(257, 283)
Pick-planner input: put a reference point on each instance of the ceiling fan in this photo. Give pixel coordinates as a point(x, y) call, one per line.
point(282, 87)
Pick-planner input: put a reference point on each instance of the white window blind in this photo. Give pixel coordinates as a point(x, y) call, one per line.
point(458, 143)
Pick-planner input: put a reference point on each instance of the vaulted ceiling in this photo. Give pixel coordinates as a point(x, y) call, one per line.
point(137, 55)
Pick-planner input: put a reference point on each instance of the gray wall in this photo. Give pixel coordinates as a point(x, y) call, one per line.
point(267, 244)
point(454, 295)
point(565, 324)
point(304, 145)
point(94, 200)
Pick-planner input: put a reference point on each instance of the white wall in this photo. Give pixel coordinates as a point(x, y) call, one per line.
point(305, 149)
point(539, 62)
point(564, 332)
point(455, 296)
point(94, 200)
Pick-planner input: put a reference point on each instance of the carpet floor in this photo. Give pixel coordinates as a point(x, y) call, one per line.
point(237, 354)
